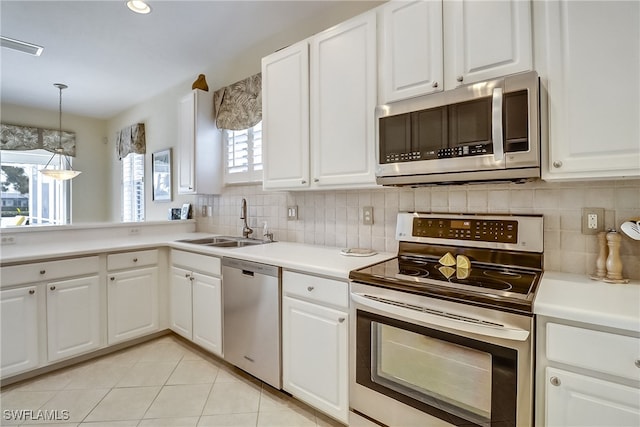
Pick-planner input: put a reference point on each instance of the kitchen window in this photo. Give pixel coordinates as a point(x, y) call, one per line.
point(28, 197)
point(244, 154)
point(133, 188)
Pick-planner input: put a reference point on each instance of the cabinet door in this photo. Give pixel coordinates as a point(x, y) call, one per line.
point(593, 103)
point(285, 117)
point(315, 356)
point(343, 101)
point(186, 145)
point(207, 312)
point(19, 323)
point(578, 400)
point(132, 304)
point(486, 39)
point(411, 49)
point(73, 316)
point(180, 315)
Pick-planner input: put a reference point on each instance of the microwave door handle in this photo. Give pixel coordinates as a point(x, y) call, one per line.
point(496, 125)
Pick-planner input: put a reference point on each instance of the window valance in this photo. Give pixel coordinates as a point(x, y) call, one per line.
point(17, 137)
point(239, 106)
point(131, 140)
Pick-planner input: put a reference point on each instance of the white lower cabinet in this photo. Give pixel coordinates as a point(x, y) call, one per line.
point(132, 295)
point(195, 295)
point(19, 328)
point(73, 316)
point(586, 376)
point(579, 400)
point(315, 342)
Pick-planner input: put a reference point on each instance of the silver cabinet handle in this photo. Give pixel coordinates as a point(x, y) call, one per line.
point(310, 288)
point(557, 164)
point(435, 84)
point(637, 363)
point(53, 288)
point(341, 320)
point(316, 180)
point(304, 182)
point(43, 271)
point(555, 381)
point(187, 275)
point(135, 260)
point(112, 278)
point(33, 291)
point(460, 78)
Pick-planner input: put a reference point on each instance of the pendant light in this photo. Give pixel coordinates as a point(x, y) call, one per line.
point(60, 174)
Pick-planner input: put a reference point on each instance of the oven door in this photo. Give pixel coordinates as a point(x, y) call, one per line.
point(417, 361)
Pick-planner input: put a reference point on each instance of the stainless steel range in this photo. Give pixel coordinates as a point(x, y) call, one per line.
point(443, 334)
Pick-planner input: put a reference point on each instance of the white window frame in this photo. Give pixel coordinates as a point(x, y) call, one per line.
point(58, 193)
point(132, 188)
point(252, 170)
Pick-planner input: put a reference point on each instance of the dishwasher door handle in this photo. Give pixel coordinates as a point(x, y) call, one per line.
point(247, 273)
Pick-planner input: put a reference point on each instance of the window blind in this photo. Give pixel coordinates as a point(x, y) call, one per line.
point(133, 188)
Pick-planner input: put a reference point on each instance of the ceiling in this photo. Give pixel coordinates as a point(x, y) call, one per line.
point(113, 59)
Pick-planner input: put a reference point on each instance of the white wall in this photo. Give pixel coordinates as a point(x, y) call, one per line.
point(90, 190)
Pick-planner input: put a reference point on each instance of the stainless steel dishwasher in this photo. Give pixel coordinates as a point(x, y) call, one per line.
point(251, 332)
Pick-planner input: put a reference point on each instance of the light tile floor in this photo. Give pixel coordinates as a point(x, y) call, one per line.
point(164, 382)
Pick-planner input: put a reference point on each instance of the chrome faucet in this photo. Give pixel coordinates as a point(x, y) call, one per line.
point(243, 215)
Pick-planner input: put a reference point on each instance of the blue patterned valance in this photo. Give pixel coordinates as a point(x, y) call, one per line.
point(17, 137)
point(131, 140)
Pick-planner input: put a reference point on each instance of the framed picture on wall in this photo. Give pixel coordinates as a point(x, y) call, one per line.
point(161, 165)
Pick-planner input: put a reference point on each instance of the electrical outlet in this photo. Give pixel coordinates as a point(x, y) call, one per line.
point(292, 213)
point(592, 220)
point(8, 240)
point(210, 210)
point(204, 211)
point(367, 215)
point(134, 231)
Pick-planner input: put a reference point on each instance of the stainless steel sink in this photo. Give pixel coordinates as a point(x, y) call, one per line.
point(225, 242)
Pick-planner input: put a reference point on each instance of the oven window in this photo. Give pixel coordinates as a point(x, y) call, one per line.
point(463, 381)
point(424, 367)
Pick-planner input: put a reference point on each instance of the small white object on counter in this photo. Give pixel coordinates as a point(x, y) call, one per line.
point(357, 252)
point(577, 298)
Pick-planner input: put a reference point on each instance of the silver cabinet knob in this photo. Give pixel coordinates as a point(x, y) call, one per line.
point(33, 291)
point(637, 363)
point(112, 278)
point(435, 84)
point(460, 79)
point(304, 182)
point(53, 288)
point(554, 381)
point(557, 164)
point(310, 288)
point(341, 320)
point(316, 180)
point(135, 260)
point(43, 271)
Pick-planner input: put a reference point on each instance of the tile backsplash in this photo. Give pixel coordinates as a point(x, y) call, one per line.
point(334, 218)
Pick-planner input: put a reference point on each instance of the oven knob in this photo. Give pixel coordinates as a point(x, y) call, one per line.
point(555, 381)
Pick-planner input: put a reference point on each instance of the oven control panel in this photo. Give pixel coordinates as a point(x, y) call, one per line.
point(479, 230)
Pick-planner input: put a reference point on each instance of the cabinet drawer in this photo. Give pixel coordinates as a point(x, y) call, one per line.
point(48, 270)
point(598, 351)
point(132, 259)
point(318, 289)
point(196, 262)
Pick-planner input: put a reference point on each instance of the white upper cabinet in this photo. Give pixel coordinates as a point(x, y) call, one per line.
point(285, 117)
point(486, 39)
point(343, 101)
point(199, 146)
point(319, 98)
point(588, 57)
point(410, 49)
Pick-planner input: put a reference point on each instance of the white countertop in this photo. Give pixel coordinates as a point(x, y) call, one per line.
point(578, 298)
point(320, 260)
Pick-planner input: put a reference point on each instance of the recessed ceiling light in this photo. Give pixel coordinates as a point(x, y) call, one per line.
point(31, 49)
point(138, 6)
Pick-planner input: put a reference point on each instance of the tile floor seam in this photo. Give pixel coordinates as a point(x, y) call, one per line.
point(159, 389)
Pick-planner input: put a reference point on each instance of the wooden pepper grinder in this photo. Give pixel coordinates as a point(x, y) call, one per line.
point(614, 263)
point(601, 261)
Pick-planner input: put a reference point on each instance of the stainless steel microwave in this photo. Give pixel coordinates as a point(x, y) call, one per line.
point(481, 132)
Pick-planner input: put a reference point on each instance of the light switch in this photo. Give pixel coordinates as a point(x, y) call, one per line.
point(292, 213)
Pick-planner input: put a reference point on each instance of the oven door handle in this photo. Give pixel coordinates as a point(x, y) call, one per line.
point(450, 322)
